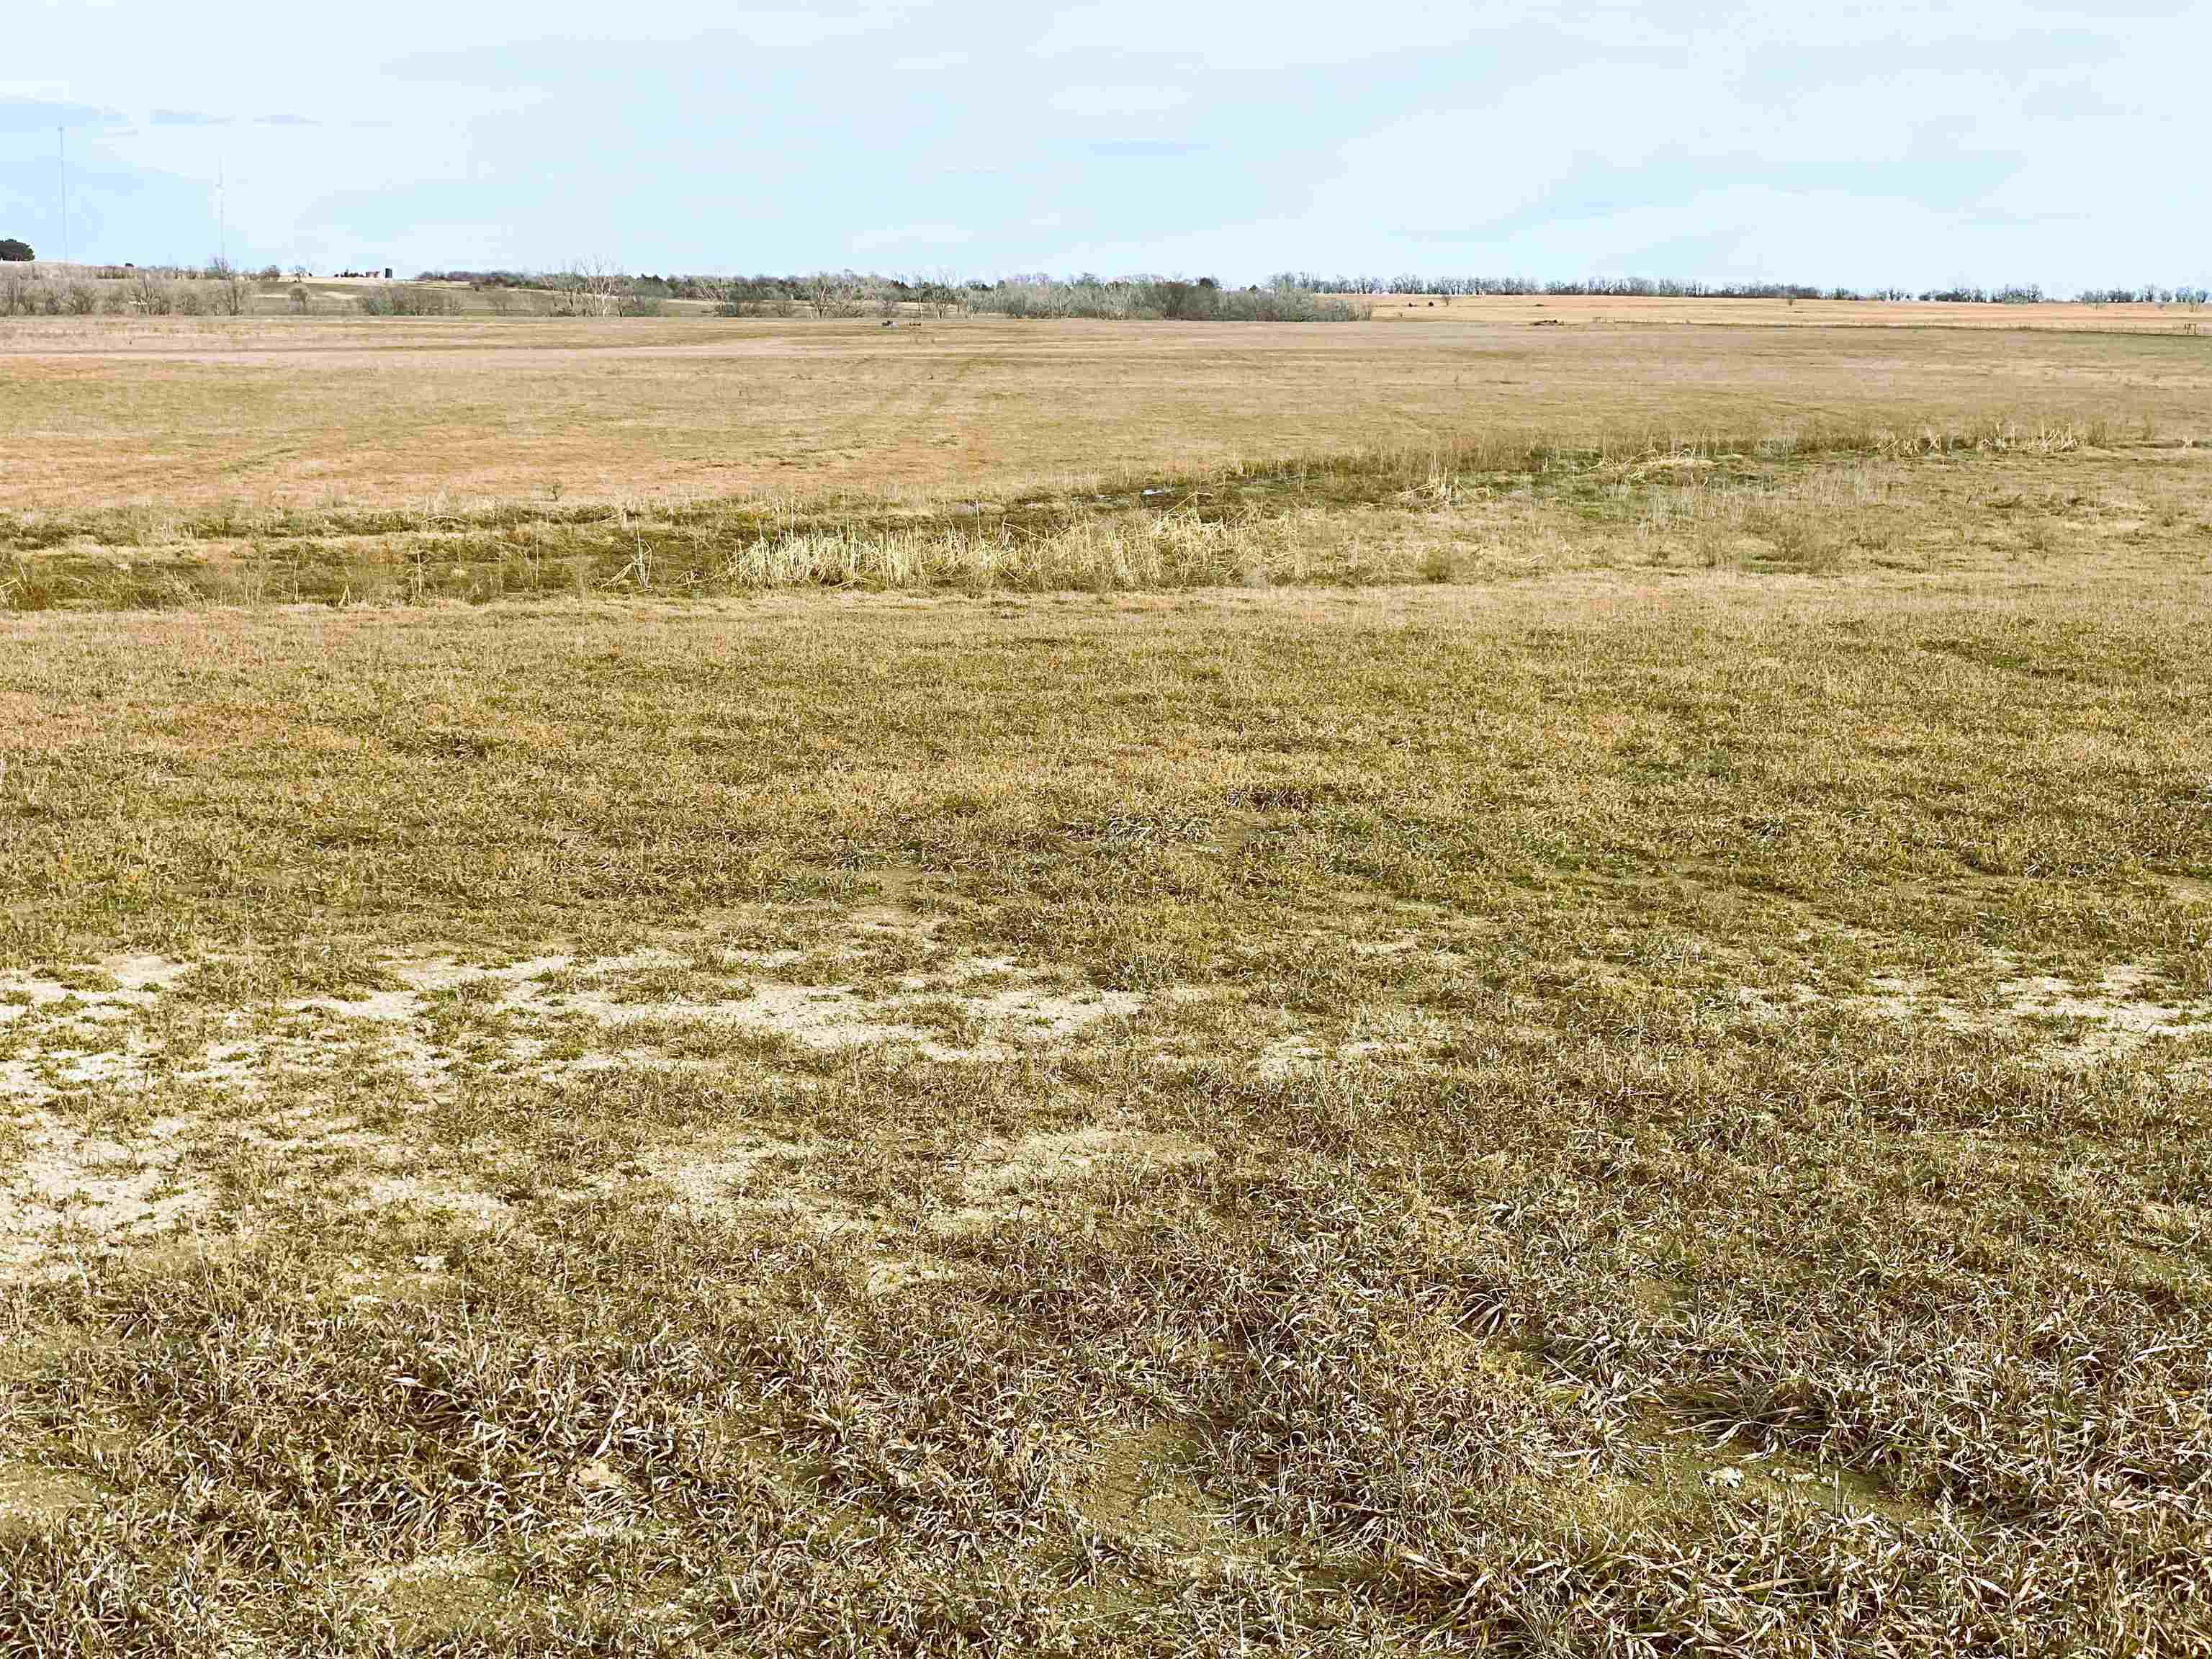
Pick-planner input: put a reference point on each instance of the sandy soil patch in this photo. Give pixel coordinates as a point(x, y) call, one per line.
point(2125, 1010)
point(30, 1496)
point(257, 1080)
point(1004, 1178)
point(75, 1189)
point(1288, 1055)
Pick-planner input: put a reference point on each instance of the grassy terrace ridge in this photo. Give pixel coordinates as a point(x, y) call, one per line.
point(1266, 520)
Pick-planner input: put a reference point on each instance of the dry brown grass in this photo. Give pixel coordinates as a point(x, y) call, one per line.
point(1638, 1082)
point(1664, 1110)
point(192, 414)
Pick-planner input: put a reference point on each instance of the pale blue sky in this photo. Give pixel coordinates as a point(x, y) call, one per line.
point(1862, 144)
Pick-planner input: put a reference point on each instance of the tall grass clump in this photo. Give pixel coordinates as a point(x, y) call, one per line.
point(1158, 551)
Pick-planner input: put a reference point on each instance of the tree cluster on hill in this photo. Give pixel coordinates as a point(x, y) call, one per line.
point(16, 252)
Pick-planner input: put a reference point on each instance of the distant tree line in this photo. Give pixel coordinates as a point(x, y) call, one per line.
point(2144, 296)
point(600, 289)
point(851, 293)
point(217, 290)
point(854, 294)
point(1660, 288)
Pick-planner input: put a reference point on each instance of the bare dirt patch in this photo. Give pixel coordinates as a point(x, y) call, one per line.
point(1004, 1178)
point(1139, 1487)
point(2121, 1011)
point(73, 1189)
point(31, 1496)
point(436, 1595)
point(255, 1081)
point(707, 1179)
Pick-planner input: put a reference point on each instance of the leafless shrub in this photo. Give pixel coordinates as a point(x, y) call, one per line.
point(150, 296)
point(22, 295)
point(406, 300)
point(754, 296)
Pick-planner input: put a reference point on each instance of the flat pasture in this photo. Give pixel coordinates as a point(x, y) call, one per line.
point(260, 413)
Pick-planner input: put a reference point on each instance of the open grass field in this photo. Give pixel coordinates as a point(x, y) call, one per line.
point(1558, 1003)
point(262, 413)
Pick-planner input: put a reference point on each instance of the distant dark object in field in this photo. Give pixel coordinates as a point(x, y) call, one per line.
point(1548, 322)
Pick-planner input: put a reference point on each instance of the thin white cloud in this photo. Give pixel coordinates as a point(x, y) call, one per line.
point(936, 63)
point(910, 236)
point(1290, 32)
point(1101, 103)
point(1987, 140)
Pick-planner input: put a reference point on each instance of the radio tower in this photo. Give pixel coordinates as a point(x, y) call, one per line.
point(61, 170)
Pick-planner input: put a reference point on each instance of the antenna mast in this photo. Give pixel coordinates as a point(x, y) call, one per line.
point(61, 168)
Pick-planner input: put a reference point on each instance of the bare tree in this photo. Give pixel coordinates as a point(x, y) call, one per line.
point(939, 291)
point(599, 287)
point(231, 287)
point(836, 293)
